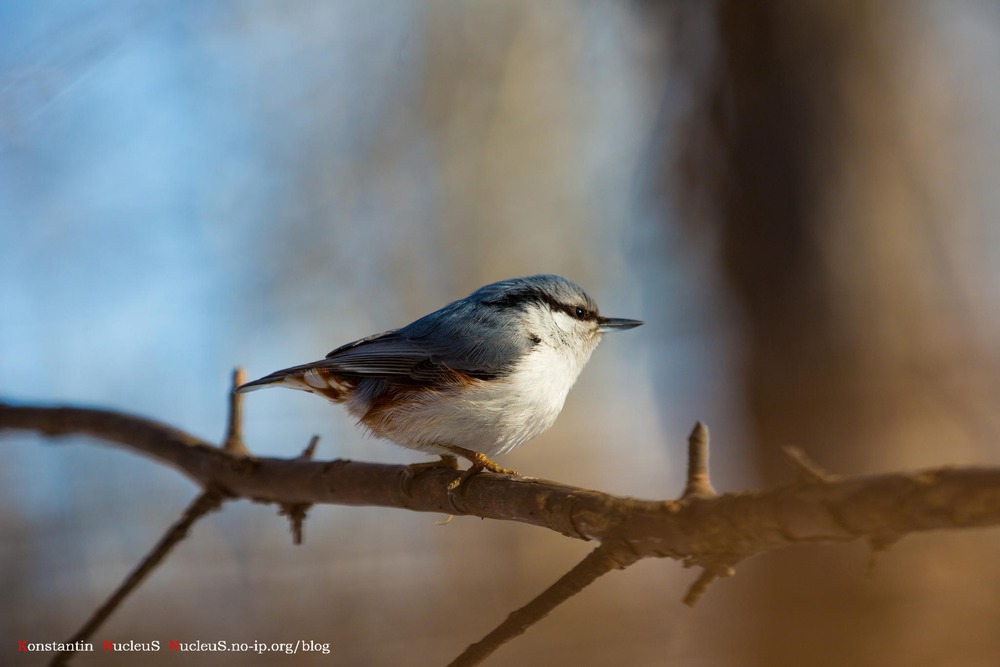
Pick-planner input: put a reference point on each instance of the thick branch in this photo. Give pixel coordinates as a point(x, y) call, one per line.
point(731, 526)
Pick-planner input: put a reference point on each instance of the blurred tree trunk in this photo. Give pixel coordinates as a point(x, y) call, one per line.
point(843, 242)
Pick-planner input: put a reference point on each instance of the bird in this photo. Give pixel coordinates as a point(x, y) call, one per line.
point(474, 379)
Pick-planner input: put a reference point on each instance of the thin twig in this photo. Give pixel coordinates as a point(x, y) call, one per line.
point(877, 547)
point(208, 501)
point(699, 485)
point(310, 450)
point(233, 442)
point(296, 514)
point(808, 469)
point(709, 574)
point(608, 556)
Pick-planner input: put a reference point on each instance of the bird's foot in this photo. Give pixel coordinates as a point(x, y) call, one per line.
point(447, 461)
point(479, 462)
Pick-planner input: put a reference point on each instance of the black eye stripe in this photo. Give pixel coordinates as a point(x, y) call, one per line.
point(579, 312)
point(520, 298)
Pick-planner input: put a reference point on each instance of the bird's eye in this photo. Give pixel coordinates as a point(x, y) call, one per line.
point(580, 313)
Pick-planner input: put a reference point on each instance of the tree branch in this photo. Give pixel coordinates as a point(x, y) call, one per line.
point(749, 522)
point(233, 442)
point(701, 529)
point(698, 483)
point(207, 502)
point(606, 557)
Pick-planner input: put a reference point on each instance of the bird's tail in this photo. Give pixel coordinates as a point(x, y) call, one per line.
point(316, 378)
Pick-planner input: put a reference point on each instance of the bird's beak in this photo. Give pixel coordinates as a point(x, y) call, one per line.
point(615, 324)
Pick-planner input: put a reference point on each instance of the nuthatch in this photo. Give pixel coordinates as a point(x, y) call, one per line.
point(475, 379)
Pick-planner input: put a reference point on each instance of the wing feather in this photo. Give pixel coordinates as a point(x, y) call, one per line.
point(386, 355)
point(461, 339)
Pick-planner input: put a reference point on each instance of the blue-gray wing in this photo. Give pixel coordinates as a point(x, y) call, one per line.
point(457, 338)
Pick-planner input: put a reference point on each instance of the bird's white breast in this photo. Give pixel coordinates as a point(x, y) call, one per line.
point(491, 416)
point(536, 392)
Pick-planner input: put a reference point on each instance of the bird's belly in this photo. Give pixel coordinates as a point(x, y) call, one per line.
point(488, 416)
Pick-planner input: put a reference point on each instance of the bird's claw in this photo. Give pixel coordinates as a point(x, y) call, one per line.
point(479, 462)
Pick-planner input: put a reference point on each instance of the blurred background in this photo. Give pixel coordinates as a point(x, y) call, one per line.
point(797, 197)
